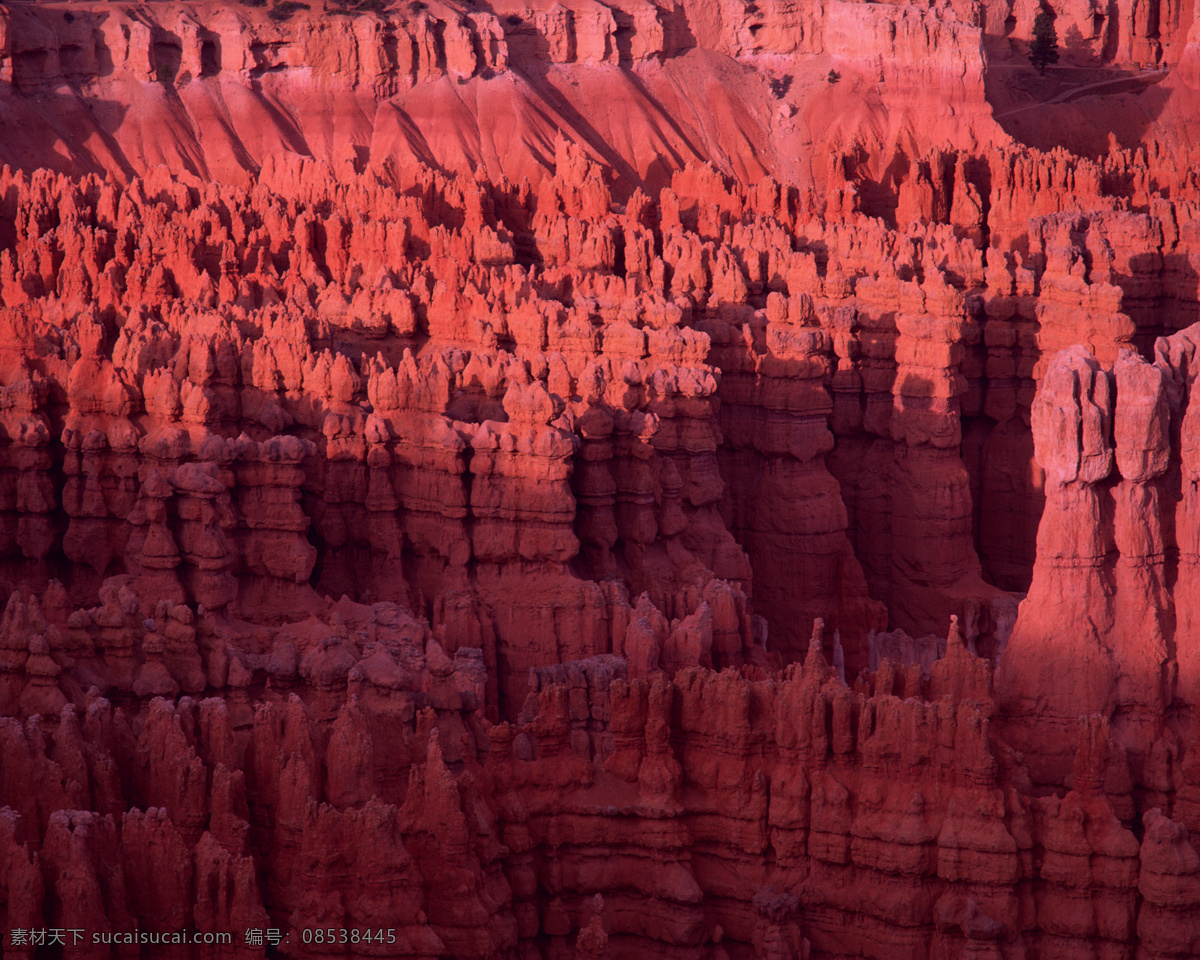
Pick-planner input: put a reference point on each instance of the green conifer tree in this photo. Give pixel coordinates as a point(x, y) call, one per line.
point(1044, 49)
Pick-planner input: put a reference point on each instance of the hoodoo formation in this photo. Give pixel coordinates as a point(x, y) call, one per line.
point(706, 481)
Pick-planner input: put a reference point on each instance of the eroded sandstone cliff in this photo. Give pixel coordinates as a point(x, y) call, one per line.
point(560, 482)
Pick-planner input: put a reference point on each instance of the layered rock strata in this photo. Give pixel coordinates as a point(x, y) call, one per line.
point(450, 483)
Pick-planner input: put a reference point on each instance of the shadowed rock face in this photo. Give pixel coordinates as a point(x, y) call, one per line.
point(560, 483)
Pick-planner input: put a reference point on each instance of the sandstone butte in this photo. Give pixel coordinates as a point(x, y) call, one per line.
point(574, 482)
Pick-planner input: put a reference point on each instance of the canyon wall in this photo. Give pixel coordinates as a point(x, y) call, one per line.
point(708, 814)
point(454, 481)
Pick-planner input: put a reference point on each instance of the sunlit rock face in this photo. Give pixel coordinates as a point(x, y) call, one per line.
point(708, 482)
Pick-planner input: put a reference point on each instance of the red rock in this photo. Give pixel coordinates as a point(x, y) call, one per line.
point(553, 441)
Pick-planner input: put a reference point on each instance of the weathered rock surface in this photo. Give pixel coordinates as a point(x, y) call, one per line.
point(559, 481)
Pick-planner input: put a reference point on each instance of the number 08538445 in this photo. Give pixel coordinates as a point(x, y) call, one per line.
point(347, 935)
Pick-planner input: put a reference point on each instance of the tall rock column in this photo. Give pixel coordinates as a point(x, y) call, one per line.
point(1093, 635)
point(934, 564)
point(1057, 665)
point(1144, 612)
point(1177, 354)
